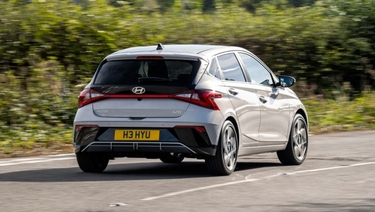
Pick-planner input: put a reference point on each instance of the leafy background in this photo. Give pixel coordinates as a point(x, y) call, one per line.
point(50, 49)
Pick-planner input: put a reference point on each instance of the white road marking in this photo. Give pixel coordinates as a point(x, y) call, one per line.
point(253, 180)
point(35, 158)
point(198, 189)
point(49, 158)
point(31, 161)
point(18, 160)
point(331, 168)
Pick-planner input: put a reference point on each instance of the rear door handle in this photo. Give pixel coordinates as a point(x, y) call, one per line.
point(233, 91)
point(262, 99)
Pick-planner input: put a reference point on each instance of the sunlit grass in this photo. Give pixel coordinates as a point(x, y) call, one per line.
point(342, 114)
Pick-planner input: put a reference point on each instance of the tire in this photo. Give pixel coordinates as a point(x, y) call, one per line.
point(172, 158)
point(92, 162)
point(296, 150)
point(225, 160)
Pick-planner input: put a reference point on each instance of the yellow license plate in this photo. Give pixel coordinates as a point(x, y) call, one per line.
point(137, 135)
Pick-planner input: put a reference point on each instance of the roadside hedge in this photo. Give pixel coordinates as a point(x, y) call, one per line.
point(49, 49)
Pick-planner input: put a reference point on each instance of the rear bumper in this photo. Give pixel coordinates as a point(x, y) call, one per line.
point(194, 133)
point(186, 140)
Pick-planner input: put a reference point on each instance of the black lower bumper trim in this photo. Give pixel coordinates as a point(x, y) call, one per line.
point(144, 147)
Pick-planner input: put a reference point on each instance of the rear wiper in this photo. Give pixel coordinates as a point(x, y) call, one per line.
point(153, 79)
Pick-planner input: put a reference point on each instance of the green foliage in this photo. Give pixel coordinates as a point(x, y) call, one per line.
point(165, 5)
point(341, 115)
point(35, 112)
point(47, 48)
point(358, 21)
point(209, 6)
point(253, 5)
point(43, 96)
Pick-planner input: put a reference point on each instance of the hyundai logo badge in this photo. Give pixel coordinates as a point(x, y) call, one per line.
point(138, 90)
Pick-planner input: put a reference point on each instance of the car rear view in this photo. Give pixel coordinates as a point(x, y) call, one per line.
point(207, 102)
point(143, 103)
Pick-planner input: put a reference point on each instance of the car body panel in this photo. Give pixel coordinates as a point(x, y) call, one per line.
point(140, 108)
point(247, 109)
point(274, 115)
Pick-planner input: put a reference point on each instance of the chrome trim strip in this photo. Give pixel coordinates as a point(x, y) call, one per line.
point(92, 144)
point(135, 145)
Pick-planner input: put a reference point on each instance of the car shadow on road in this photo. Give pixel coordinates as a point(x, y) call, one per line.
point(120, 172)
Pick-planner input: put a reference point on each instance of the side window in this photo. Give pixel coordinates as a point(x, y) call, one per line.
point(214, 69)
point(258, 74)
point(230, 67)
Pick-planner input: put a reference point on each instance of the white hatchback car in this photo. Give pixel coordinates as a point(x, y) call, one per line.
point(175, 101)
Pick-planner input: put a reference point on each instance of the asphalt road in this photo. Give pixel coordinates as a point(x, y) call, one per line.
point(338, 175)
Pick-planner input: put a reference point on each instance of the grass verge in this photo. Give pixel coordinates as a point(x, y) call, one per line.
point(342, 114)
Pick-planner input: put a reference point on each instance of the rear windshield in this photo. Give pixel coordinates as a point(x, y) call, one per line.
point(133, 72)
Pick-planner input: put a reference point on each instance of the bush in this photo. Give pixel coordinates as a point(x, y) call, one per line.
point(341, 114)
point(49, 47)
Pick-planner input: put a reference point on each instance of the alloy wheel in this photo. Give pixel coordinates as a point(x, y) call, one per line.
point(299, 139)
point(229, 147)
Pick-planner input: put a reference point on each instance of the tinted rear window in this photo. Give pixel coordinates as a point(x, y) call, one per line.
point(129, 72)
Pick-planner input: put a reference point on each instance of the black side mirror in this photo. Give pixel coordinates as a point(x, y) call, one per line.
point(286, 81)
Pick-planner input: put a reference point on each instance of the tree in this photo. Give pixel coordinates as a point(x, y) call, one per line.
point(209, 6)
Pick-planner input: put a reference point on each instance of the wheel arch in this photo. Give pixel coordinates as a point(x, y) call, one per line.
point(303, 113)
point(219, 164)
point(234, 122)
point(288, 155)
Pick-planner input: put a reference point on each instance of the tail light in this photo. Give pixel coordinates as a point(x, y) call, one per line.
point(88, 96)
point(204, 98)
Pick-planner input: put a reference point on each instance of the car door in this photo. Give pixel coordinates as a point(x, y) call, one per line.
point(243, 98)
point(274, 106)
